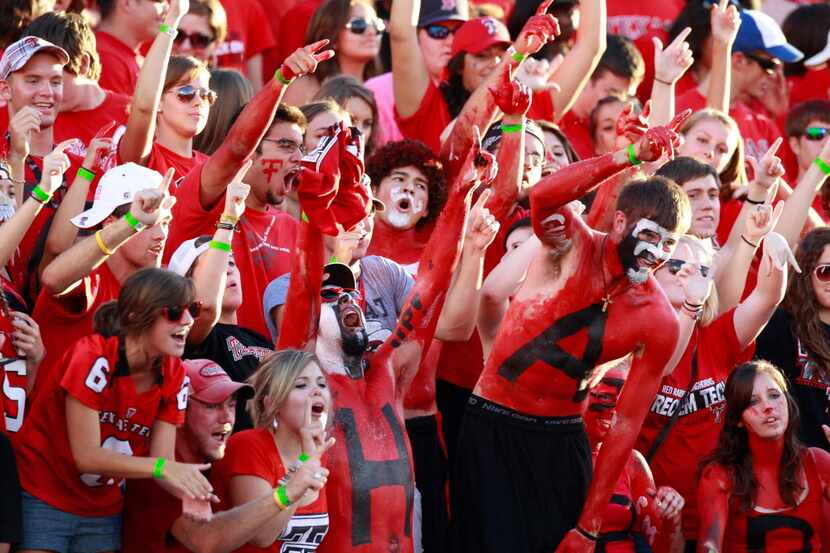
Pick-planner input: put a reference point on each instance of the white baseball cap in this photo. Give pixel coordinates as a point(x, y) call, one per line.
point(820, 57)
point(117, 187)
point(758, 31)
point(187, 253)
point(19, 53)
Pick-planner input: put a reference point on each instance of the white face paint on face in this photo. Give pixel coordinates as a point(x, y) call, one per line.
point(653, 245)
point(405, 192)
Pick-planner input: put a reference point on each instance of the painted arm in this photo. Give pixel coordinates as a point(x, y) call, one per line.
point(658, 509)
point(211, 273)
point(409, 71)
point(669, 66)
point(66, 271)
point(725, 21)
point(713, 490)
point(602, 211)
point(480, 109)
point(137, 141)
point(252, 124)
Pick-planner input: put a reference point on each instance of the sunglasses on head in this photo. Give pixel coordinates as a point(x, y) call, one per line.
point(822, 273)
point(197, 40)
point(174, 313)
point(359, 25)
point(439, 32)
point(188, 92)
point(674, 266)
point(816, 133)
point(770, 65)
point(331, 293)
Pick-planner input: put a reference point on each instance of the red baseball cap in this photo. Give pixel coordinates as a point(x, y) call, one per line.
point(210, 383)
point(476, 35)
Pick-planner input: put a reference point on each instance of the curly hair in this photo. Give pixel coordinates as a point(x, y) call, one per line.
point(801, 301)
point(405, 153)
point(732, 451)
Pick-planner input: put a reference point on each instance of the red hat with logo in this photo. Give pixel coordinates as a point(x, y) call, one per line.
point(476, 35)
point(211, 384)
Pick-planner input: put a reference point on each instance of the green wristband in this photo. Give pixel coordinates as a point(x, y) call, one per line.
point(280, 78)
point(168, 30)
point(40, 195)
point(632, 155)
point(507, 129)
point(333, 259)
point(136, 225)
point(283, 496)
point(303, 458)
point(516, 56)
point(157, 471)
point(217, 245)
point(86, 174)
point(823, 166)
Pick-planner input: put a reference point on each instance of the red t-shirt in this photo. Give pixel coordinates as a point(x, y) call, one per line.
point(249, 34)
point(84, 124)
point(120, 64)
point(149, 534)
point(161, 159)
point(65, 319)
point(401, 246)
point(814, 85)
point(96, 375)
point(254, 453)
point(757, 130)
point(578, 132)
point(697, 428)
point(262, 247)
point(429, 121)
point(292, 28)
point(13, 398)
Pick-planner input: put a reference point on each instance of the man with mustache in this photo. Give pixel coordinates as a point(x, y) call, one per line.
point(567, 319)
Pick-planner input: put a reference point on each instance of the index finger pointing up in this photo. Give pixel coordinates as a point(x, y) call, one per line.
point(164, 187)
point(774, 148)
point(316, 46)
point(64, 145)
point(543, 7)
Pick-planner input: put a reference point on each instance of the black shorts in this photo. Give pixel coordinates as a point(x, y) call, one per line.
point(431, 470)
point(519, 481)
point(452, 401)
point(11, 522)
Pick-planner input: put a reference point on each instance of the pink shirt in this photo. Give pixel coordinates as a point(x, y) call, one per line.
point(382, 87)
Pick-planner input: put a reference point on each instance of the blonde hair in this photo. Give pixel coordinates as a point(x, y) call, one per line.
point(734, 174)
point(710, 306)
point(273, 381)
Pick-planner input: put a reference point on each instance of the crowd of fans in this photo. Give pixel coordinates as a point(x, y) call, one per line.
point(414, 276)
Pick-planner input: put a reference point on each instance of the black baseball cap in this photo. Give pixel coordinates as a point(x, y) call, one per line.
point(433, 11)
point(339, 275)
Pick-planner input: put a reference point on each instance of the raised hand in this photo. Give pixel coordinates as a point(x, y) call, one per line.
point(768, 169)
point(725, 21)
point(479, 167)
point(633, 125)
point(761, 220)
point(540, 29)
point(177, 10)
point(55, 164)
point(236, 193)
point(151, 204)
point(482, 227)
point(696, 286)
point(26, 338)
point(670, 64)
point(310, 475)
point(511, 96)
point(22, 125)
point(99, 148)
point(304, 60)
point(777, 252)
point(536, 74)
point(660, 140)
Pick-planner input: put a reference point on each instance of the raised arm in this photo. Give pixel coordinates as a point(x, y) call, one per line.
point(697, 289)
point(21, 126)
point(137, 141)
point(254, 121)
point(713, 491)
point(725, 21)
point(797, 206)
point(211, 273)
point(669, 66)
point(409, 71)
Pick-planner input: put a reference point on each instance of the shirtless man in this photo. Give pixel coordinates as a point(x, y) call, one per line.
point(524, 462)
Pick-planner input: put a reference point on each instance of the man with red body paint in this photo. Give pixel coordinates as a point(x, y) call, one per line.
point(371, 485)
point(523, 459)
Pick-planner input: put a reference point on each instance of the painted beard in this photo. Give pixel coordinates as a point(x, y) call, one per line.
point(354, 340)
point(639, 258)
point(403, 210)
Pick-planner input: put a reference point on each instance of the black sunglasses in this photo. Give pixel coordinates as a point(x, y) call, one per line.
point(174, 313)
point(770, 65)
point(197, 40)
point(674, 266)
point(359, 25)
point(331, 294)
point(816, 133)
point(439, 32)
point(188, 92)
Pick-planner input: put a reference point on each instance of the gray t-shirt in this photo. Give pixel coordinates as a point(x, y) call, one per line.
point(385, 284)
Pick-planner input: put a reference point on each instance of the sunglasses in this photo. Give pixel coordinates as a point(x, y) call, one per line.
point(174, 313)
point(674, 266)
point(331, 293)
point(770, 65)
point(439, 32)
point(188, 92)
point(822, 273)
point(816, 133)
point(197, 40)
point(359, 25)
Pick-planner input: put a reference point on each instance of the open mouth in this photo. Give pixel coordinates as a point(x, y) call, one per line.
point(156, 250)
point(351, 317)
point(180, 337)
point(318, 408)
point(403, 204)
point(646, 260)
point(292, 179)
point(222, 434)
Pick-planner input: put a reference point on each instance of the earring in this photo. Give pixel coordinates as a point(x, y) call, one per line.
point(275, 424)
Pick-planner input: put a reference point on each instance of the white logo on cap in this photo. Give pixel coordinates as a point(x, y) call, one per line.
point(447, 5)
point(490, 25)
point(211, 370)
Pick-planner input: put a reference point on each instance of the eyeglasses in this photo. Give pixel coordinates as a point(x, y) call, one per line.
point(770, 65)
point(331, 293)
point(174, 313)
point(287, 145)
point(439, 32)
point(359, 25)
point(816, 133)
point(188, 92)
point(674, 266)
point(197, 40)
point(822, 273)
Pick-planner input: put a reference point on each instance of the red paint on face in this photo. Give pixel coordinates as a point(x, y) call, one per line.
point(271, 167)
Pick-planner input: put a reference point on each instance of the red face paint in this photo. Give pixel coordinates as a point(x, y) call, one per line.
point(270, 167)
